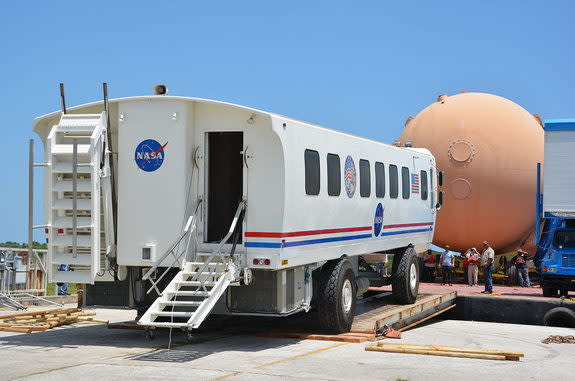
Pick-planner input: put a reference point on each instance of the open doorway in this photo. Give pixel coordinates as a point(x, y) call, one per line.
point(225, 182)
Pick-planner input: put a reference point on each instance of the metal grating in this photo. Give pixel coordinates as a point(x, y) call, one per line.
point(568, 260)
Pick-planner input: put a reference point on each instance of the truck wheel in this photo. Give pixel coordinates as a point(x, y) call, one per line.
point(560, 317)
point(549, 292)
point(336, 296)
point(405, 276)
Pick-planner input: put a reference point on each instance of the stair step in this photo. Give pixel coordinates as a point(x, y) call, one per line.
point(82, 204)
point(66, 186)
point(203, 273)
point(183, 293)
point(68, 149)
point(67, 222)
point(66, 240)
point(173, 313)
point(66, 167)
point(183, 303)
point(198, 283)
point(163, 324)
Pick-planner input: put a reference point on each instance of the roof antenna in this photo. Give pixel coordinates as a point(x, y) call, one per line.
point(63, 98)
point(106, 105)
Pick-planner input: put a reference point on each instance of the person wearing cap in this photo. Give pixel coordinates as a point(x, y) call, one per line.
point(487, 258)
point(429, 265)
point(522, 268)
point(446, 261)
point(472, 257)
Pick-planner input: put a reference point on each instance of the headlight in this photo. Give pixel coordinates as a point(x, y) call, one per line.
point(550, 269)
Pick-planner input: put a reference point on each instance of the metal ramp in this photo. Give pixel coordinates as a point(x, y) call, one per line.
point(78, 184)
point(192, 294)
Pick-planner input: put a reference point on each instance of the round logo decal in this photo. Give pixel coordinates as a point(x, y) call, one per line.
point(350, 177)
point(149, 155)
point(378, 220)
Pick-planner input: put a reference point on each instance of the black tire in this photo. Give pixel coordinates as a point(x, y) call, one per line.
point(331, 310)
point(403, 286)
point(549, 292)
point(560, 317)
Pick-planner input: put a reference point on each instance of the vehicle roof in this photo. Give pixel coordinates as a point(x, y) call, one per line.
point(40, 125)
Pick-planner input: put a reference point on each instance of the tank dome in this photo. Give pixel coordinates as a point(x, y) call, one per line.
point(488, 148)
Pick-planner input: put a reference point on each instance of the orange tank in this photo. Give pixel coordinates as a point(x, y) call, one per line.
point(488, 148)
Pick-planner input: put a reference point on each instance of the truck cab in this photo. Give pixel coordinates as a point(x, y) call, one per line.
point(557, 265)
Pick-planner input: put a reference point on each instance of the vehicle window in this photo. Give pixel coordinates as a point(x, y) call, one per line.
point(423, 185)
point(311, 172)
point(364, 178)
point(405, 182)
point(393, 181)
point(333, 175)
point(564, 238)
point(432, 198)
point(379, 180)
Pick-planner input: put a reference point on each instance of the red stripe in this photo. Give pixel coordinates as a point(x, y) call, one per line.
point(306, 232)
point(407, 225)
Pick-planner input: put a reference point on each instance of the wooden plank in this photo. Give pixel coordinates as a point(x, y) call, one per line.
point(35, 313)
point(307, 336)
point(439, 353)
point(453, 349)
point(93, 320)
point(426, 318)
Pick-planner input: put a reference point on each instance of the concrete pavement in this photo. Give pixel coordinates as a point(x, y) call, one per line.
point(91, 351)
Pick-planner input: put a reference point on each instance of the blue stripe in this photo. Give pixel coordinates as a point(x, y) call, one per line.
point(263, 244)
point(275, 245)
point(406, 232)
point(323, 240)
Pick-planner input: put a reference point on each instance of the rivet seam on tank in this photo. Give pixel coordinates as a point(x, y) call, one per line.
point(461, 151)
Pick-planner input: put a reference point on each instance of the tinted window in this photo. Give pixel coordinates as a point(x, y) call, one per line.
point(333, 175)
point(379, 179)
point(565, 238)
point(423, 185)
point(364, 178)
point(432, 201)
point(393, 183)
point(311, 172)
point(405, 183)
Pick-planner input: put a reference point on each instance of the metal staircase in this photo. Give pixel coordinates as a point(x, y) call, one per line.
point(78, 181)
point(192, 294)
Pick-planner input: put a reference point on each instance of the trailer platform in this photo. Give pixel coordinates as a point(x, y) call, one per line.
point(372, 315)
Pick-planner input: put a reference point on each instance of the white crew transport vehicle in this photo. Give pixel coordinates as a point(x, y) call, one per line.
point(200, 207)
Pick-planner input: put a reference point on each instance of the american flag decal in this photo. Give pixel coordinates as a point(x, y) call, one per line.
point(414, 183)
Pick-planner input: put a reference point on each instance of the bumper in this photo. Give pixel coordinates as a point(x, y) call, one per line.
point(565, 282)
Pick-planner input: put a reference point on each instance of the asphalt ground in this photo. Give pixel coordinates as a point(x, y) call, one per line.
point(91, 351)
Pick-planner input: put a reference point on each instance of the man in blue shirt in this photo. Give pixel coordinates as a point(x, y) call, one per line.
point(446, 261)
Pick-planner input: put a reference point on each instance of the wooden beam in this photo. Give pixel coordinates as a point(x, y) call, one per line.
point(435, 353)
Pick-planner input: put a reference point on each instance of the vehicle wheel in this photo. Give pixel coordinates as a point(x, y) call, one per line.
point(336, 296)
point(405, 276)
point(549, 292)
point(560, 317)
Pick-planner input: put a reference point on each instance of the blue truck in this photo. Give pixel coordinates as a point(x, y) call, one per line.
point(555, 220)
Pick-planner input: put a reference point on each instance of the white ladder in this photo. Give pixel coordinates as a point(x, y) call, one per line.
point(77, 164)
point(192, 294)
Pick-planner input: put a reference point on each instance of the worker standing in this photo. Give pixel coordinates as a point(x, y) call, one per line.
point(429, 264)
point(487, 258)
point(522, 269)
point(472, 271)
point(447, 260)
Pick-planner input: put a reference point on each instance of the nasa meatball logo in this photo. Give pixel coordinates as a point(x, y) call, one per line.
point(378, 220)
point(350, 177)
point(149, 155)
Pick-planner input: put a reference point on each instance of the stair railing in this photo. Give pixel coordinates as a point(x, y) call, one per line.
point(188, 231)
point(218, 251)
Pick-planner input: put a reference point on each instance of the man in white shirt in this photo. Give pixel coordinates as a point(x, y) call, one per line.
point(446, 261)
point(487, 258)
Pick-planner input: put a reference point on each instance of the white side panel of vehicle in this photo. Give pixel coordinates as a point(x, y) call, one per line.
point(152, 160)
point(559, 165)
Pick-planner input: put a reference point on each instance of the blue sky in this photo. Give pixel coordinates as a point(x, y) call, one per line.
point(359, 67)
